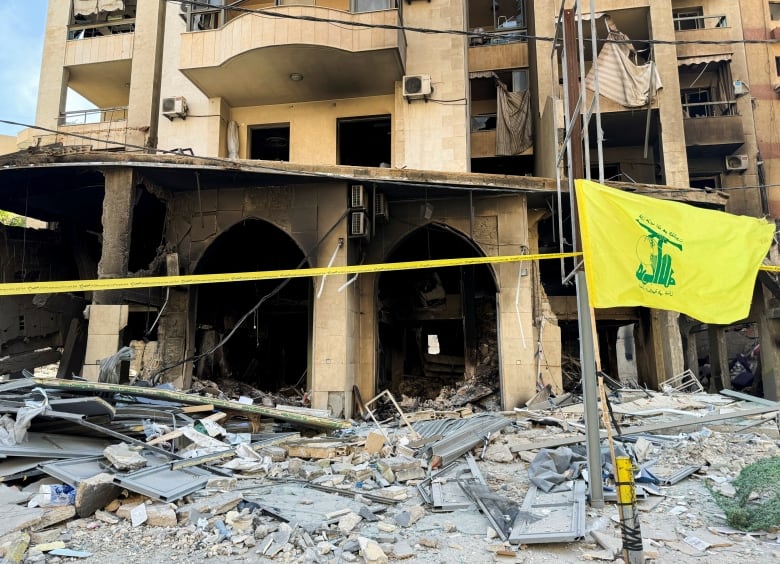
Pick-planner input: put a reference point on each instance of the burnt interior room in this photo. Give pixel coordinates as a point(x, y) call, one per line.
point(269, 349)
point(364, 141)
point(437, 327)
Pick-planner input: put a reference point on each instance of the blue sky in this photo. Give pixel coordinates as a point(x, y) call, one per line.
point(21, 35)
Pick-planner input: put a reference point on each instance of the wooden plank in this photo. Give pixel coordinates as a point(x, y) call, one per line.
point(181, 397)
point(178, 432)
point(197, 408)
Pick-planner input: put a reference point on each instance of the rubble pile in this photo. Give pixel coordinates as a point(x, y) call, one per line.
point(104, 471)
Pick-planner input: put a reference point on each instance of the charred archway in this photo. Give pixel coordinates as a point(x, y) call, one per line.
point(437, 328)
point(268, 350)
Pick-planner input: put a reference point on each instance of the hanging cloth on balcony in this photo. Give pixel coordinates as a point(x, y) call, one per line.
point(85, 7)
point(111, 5)
point(720, 83)
point(620, 78)
point(89, 7)
point(514, 128)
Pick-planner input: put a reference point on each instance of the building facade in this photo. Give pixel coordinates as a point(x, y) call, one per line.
point(341, 132)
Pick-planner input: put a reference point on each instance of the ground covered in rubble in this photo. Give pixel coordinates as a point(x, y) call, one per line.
point(461, 485)
point(410, 531)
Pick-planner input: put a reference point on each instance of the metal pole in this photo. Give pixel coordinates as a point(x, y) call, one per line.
point(589, 393)
point(633, 549)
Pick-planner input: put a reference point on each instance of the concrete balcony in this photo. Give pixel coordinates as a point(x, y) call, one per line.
point(713, 136)
point(99, 63)
point(702, 28)
point(498, 56)
point(483, 144)
point(260, 60)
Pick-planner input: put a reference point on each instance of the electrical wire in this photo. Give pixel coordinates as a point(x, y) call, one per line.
point(279, 287)
point(459, 32)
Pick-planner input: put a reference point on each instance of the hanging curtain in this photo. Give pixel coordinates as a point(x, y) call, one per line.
point(620, 78)
point(514, 128)
point(85, 7)
point(725, 88)
point(89, 7)
point(232, 139)
point(111, 5)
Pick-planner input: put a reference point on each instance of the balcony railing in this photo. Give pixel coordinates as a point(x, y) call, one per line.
point(112, 27)
point(686, 23)
point(99, 115)
point(214, 17)
point(710, 109)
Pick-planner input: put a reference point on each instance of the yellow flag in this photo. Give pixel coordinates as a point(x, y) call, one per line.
point(642, 251)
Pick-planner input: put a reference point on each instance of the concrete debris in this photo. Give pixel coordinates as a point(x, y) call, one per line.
point(123, 457)
point(443, 483)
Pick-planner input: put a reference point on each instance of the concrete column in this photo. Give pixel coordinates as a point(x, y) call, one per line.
point(143, 111)
point(53, 84)
point(336, 319)
point(675, 159)
point(219, 115)
point(117, 222)
point(719, 358)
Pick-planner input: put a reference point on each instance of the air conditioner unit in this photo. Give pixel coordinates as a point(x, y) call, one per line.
point(357, 196)
point(417, 86)
point(381, 213)
point(358, 224)
point(737, 163)
point(174, 107)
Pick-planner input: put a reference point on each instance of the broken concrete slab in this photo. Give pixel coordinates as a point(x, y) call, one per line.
point(161, 515)
point(124, 458)
point(53, 515)
point(210, 506)
point(16, 518)
point(371, 551)
point(348, 522)
point(12, 495)
point(94, 493)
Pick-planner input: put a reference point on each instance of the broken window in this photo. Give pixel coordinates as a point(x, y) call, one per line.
point(270, 142)
point(774, 11)
point(688, 18)
point(705, 181)
point(365, 141)
point(96, 18)
point(504, 19)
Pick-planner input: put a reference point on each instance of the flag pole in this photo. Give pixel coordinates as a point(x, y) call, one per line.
point(585, 319)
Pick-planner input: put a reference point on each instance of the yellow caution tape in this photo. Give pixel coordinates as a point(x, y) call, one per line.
point(103, 284)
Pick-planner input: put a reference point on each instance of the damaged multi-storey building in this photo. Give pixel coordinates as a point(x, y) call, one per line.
point(255, 136)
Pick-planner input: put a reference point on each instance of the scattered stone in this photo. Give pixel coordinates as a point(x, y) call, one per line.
point(224, 483)
point(608, 542)
point(348, 522)
point(499, 453)
point(397, 493)
point(449, 527)
point(367, 514)
point(403, 519)
point(106, 517)
point(12, 495)
point(46, 547)
point(374, 442)
point(15, 552)
point(15, 518)
point(428, 542)
point(95, 492)
point(161, 515)
point(53, 515)
point(371, 551)
point(209, 506)
point(403, 550)
point(123, 457)
point(385, 527)
point(275, 453)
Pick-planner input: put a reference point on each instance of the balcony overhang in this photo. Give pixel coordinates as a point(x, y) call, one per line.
point(105, 84)
point(251, 61)
point(715, 136)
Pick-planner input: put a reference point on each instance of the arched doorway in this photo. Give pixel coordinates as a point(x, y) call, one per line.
point(437, 328)
point(269, 348)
